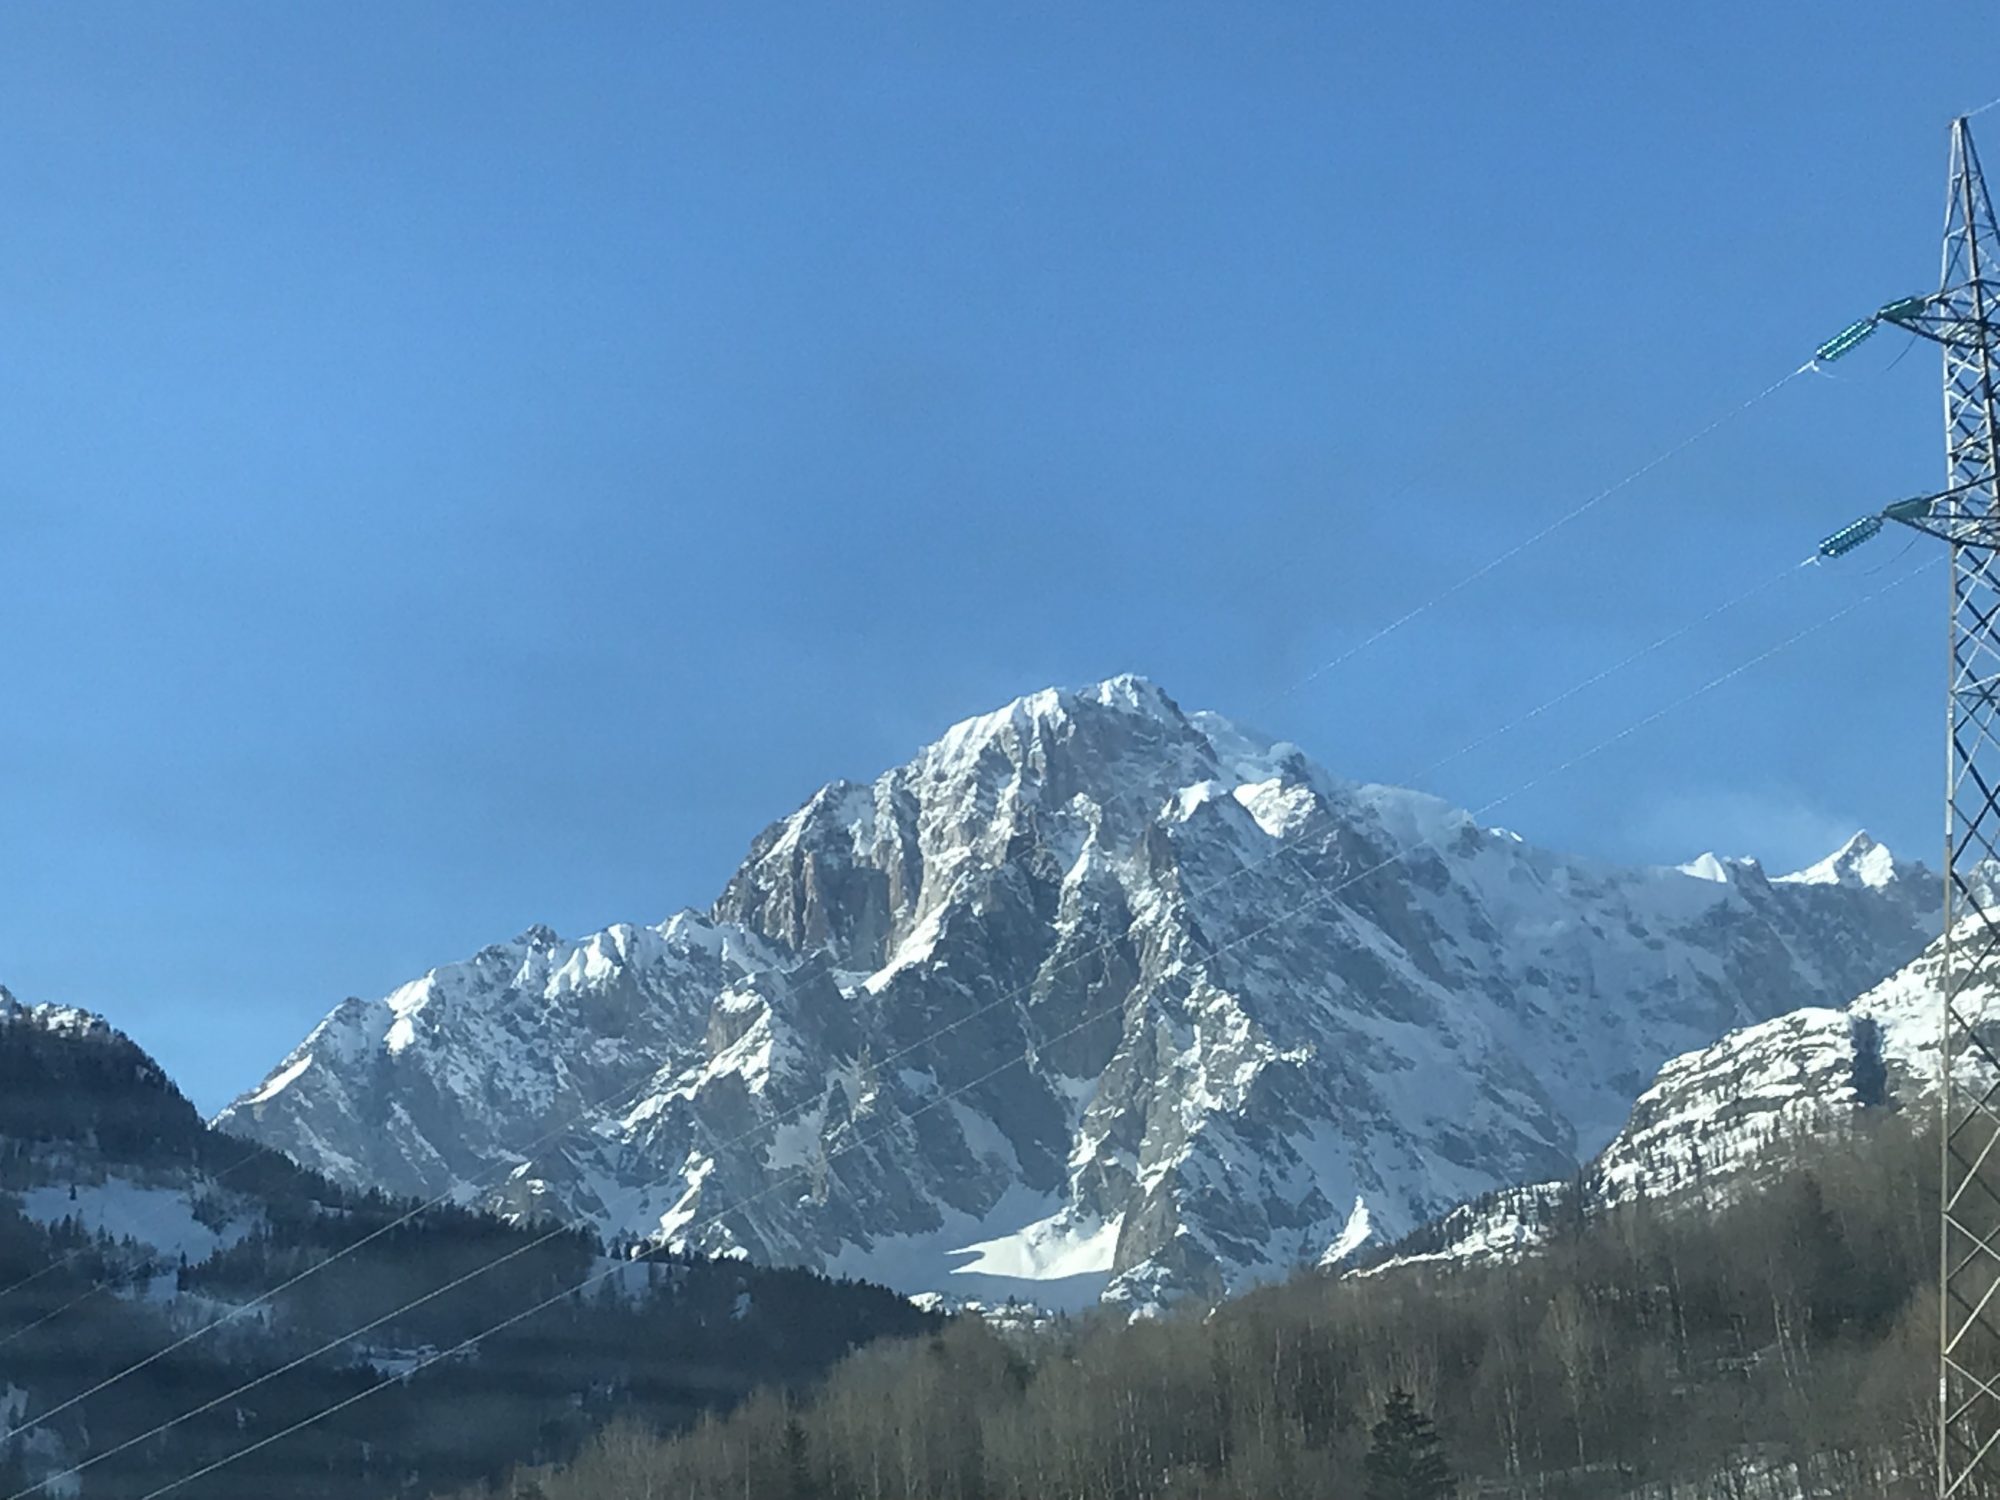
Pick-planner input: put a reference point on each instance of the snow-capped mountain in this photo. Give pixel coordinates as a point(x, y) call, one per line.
point(1090, 991)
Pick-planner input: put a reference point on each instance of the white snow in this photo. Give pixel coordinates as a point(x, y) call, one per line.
point(795, 1142)
point(1416, 817)
point(914, 949)
point(1502, 1232)
point(1048, 1250)
point(1060, 1267)
point(282, 1079)
point(161, 1217)
point(1280, 809)
point(1860, 861)
point(671, 1225)
point(983, 1136)
point(1353, 1235)
point(1191, 799)
point(1706, 867)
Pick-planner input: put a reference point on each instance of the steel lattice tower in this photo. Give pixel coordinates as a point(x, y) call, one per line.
point(1966, 515)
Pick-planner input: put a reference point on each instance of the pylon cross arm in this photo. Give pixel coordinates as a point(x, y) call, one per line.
point(1960, 318)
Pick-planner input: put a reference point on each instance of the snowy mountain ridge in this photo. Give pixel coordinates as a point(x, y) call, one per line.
point(1092, 996)
point(61, 1019)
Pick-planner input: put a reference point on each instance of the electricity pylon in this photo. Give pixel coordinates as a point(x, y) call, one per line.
point(1959, 317)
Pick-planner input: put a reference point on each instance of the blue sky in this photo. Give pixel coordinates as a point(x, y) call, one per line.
point(467, 466)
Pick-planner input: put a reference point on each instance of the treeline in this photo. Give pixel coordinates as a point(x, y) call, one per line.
point(1783, 1345)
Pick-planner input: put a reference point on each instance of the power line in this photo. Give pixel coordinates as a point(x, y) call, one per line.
point(1534, 538)
point(1616, 667)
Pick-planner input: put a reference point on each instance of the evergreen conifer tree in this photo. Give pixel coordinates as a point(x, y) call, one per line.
point(1406, 1459)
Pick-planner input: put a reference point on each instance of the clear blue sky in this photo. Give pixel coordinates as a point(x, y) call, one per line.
point(473, 465)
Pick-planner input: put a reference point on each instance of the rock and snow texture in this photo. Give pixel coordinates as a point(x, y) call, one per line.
point(1711, 1113)
point(1092, 996)
point(1712, 1117)
point(57, 1020)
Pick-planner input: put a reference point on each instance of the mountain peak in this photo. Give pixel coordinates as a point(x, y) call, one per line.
point(1706, 866)
point(1121, 740)
point(1723, 869)
point(1130, 691)
point(1124, 694)
point(1860, 861)
point(1217, 963)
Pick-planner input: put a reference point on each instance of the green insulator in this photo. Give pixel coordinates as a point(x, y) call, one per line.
point(1851, 536)
point(1844, 340)
point(1903, 311)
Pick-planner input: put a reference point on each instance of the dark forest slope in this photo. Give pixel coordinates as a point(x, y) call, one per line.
point(1782, 1346)
point(108, 1176)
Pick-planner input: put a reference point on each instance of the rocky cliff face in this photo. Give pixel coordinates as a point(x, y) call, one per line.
point(1092, 996)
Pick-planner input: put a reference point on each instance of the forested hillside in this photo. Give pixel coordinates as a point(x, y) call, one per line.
point(1778, 1346)
point(232, 1264)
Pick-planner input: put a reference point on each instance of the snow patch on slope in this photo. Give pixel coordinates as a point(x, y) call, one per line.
point(161, 1217)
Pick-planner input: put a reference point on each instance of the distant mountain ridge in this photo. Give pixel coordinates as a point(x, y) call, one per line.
point(1246, 1046)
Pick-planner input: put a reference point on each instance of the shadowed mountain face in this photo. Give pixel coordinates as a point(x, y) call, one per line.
point(1093, 995)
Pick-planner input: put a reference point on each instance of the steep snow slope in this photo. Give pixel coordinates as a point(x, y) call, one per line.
point(1091, 991)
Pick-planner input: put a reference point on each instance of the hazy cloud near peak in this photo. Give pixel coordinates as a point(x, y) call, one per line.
point(1775, 826)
